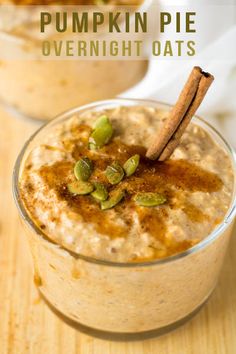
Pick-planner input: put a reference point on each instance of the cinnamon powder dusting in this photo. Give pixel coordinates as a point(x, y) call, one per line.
point(173, 178)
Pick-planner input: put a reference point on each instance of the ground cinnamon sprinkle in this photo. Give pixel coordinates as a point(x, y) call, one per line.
point(172, 178)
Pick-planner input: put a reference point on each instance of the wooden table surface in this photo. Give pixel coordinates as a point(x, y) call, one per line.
point(28, 326)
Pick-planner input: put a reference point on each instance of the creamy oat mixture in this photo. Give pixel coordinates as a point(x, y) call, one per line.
point(197, 182)
point(23, 83)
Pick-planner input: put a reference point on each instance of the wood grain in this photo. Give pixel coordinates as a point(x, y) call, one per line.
point(27, 326)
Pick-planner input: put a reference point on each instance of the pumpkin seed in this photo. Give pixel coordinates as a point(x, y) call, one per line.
point(131, 165)
point(102, 133)
point(100, 193)
point(80, 187)
point(149, 199)
point(114, 173)
point(115, 197)
point(83, 169)
point(101, 121)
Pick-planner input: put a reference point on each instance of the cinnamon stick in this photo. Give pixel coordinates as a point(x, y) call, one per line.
point(188, 102)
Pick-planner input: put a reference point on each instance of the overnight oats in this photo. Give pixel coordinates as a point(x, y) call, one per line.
point(30, 83)
point(124, 246)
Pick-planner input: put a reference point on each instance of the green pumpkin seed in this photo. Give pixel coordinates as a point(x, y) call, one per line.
point(101, 121)
point(83, 169)
point(102, 133)
point(149, 199)
point(80, 187)
point(100, 193)
point(114, 173)
point(115, 197)
point(131, 165)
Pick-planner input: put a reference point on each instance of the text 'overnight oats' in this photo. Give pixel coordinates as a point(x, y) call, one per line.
point(89, 186)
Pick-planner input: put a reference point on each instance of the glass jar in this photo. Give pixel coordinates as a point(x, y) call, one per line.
point(124, 301)
point(41, 88)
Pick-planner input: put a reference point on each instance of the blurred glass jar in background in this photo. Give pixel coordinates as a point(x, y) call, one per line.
point(41, 89)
